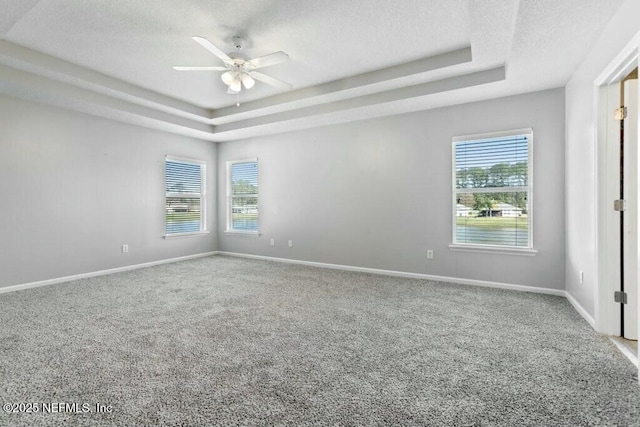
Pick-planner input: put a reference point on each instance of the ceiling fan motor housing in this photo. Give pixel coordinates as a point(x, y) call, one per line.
point(238, 57)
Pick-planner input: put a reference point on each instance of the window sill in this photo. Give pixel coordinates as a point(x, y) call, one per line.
point(493, 250)
point(181, 235)
point(242, 232)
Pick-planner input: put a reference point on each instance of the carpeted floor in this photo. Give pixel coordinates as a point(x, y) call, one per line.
point(228, 341)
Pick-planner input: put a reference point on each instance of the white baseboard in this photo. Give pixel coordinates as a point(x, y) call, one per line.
point(101, 272)
point(580, 309)
point(447, 279)
point(625, 350)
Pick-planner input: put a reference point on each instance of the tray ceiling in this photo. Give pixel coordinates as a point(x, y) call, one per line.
point(350, 59)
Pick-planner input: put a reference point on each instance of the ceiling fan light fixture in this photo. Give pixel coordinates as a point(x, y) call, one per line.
point(247, 81)
point(235, 85)
point(228, 77)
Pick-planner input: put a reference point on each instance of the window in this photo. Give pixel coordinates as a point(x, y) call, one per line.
point(242, 196)
point(492, 190)
point(185, 196)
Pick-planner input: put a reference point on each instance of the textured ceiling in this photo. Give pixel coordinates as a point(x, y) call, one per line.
point(350, 59)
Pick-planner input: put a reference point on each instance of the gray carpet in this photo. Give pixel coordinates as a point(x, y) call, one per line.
point(227, 341)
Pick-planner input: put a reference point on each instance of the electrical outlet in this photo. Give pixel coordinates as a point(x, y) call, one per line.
point(429, 254)
point(272, 242)
point(290, 243)
point(125, 249)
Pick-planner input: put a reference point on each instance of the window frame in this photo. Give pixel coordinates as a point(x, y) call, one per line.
point(229, 228)
point(494, 248)
point(202, 196)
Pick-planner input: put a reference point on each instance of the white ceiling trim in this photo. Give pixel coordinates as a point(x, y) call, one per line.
point(394, 95)
point(25, 59)
point(349, 87)
point(32, 87)
point(34, 76)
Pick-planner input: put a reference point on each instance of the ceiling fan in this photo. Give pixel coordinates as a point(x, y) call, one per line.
point(238, 69)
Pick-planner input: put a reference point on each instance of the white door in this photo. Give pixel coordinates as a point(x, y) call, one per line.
point(630, 194)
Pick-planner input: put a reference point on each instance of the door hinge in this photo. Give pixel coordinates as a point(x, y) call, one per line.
point(620, 113)
point(620, 297)
point(620, 205)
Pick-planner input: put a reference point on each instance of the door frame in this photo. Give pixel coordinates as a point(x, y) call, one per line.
point(607, 88)
point(630, 91)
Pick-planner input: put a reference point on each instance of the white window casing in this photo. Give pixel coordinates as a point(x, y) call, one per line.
point(242, 197)
point(492, 192)
point(185, 197)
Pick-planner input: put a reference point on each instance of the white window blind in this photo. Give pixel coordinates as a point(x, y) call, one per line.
point(185, 196)
point(242, 196)
point(492, 191)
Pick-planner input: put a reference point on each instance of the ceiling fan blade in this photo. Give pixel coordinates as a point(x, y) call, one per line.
point(200, 68)
point(267, 60)
point(269, 80)
point(211, 48)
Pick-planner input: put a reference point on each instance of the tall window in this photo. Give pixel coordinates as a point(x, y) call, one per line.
point(492, 189)
point(242, 196)
point(185, 196)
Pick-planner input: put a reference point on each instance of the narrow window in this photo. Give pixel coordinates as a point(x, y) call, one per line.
point(492, 190)
point(242, 196)
point(185, 196)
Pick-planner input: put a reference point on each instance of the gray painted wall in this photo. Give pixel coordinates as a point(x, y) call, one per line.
point(377, 193)
point(74, 188)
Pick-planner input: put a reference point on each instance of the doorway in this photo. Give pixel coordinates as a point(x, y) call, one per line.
point(617, 241)
point(627, 296)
